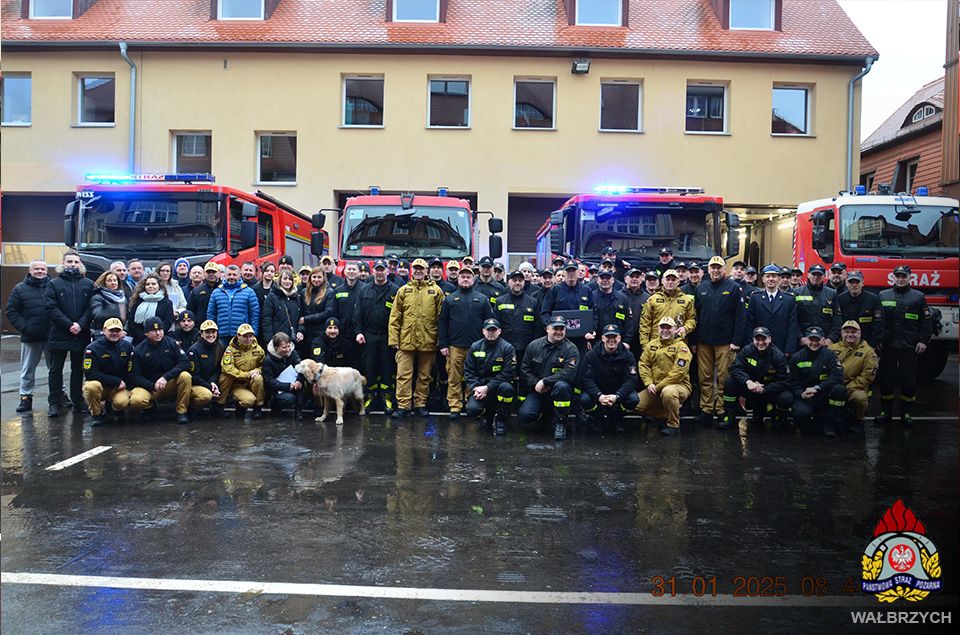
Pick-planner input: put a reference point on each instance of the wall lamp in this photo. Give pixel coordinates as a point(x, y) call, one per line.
point(581, 66)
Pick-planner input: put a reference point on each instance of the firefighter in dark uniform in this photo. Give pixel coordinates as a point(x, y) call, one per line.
point(666, 262)
point(344, 305)
point(606, 265)
point(436, 274)
point(331, 347)
point(750, 276)
point(786, 285)
point(486, 283)
point(760, 374)
point(859, 363)
point(694, 278)
point(489, 371)
point(517, 313)
point(816, 381)
point(863, 307)
point(462, 315)
point(907, 330)
point(612, 306)
point(547, 375)
point(200, 296)
point(572, 295)
point(107, 365)
point(160, 371)
point(371, 317)
point(608, 384)
point(817, 305)
point(774, 309)
point(636, 295)
point(838, 277)
point(205, 357)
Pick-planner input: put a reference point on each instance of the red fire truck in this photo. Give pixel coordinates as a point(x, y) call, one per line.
point(157, 217)
point(639, 221)
point(875, 232)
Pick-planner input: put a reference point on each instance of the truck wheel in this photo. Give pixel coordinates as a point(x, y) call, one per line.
point(933, 361)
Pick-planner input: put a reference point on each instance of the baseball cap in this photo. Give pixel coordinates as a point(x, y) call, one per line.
point(634, 270)
point(326, 258)
point(680, 265)
point(436, 262)
point(786, 272)
point(379, 265)
point(851, 324)
point(666, 319)
point(286, 260)
point(153, 324)
point(652, 275)
point(611, 329)
point(902, 269)
point(393, 259)
point(666, 251)
point(546, 272)
point(771, 268)
point(363, 266)
point(797, 271)
point(557, 320)
point(244, 329)
point(761, 331)
point(498, 266)
point(817, 269)
point(469, 270)
point(813, 331)
point(490, 324)
point(696, 266)
point(209, 325)
point(606, 251)
point(839, 266)
point(593, 269)
point(305, 269)
point(717, 260)
point(605, 273)
point(570, 264)
point(467, 259)
point(419, 262)
point(856, 276)
point(211, 266)
point(751, 269)
point(671, 272)
point(453, 264)
point(112, 323)
point(486, 261)
point(739, 263)
point(558, 260)
point(515, 274)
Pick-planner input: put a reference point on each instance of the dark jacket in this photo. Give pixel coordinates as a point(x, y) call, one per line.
point(609, 373)
point(489, 364)
point(563, 297)
point(281, 314)
point(866, 310)
point(199, 299)
point(371, 314)
point(549, 362)
point(612, 308)
point(446, 286)
point(204, 362)
point(344, 305)
point(519, 319)
point(769, 367)
point(68, 301)
point(153, 361)
point(332, 352)
point(780, 317)
point(316, 313)
point(164, 313)
point(906, 319)
point(186, 339)
point(490, 289)
point(720, 313)
point(27, 310)
point(273, 365)
point(102, 309)
point(635, 301)
point(461, 317)
point(820, 368)
point(817, 306)
point(109, 362)
point(262, 293)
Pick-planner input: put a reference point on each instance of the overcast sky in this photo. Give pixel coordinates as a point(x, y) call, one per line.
point(910, 36)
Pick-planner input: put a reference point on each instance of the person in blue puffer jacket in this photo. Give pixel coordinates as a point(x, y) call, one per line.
point(233, 303)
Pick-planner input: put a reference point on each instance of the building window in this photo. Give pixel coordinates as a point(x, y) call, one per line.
point(449, 105)
point(791, 110)
point(277, 158)
point(867, 180)
point(752, 14)
point(534, 103)
point(620, 106)
point(907, 175)
point(96, 100)
point(15, 98)
point(921, 113)
point(416, 10)
point(706, 111)
point(50, 9)
point(599, 12)
point(240, 9)
point(192, 152)
point(363, 101)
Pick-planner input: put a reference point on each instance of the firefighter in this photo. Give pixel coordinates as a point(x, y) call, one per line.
point(200, 296)
point(486, 283)
point(750, 276)
point(759, 374)
point(435, 272)
point(666, 262)
point(500, 273)
point(694, 278)
point(785, 277)
point(816, 304)
point(371, 318)
point(863, 307)
point(605, 265)
point(107, 365)
point(608, 381)
point(547, 375)
point(774, 309)
point(489, 371)
point(205, 357)
point(669, 301)
point(907, 330)
point(859, 363)
point(816, 381)
point(738, 273)
point(329, 266)
point(796, 277)
point(636, 296)
point(665, 375)
point(241, 373)
point(612, 305)
point(160, 371)
point(344, 302)
point(838, 277)
point(572, 295)
point(516, 311)
point(331, 347)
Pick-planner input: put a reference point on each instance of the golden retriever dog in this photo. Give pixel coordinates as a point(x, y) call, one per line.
point(337, 383)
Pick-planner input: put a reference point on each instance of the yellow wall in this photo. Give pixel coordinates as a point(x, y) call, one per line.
point(302, 93)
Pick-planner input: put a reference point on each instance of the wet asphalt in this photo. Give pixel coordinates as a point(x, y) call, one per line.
point(439, 505)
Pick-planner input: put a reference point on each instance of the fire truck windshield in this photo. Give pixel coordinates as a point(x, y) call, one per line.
point(389, 230)
point(155, 222)
point(901, 231)
point(641, 234)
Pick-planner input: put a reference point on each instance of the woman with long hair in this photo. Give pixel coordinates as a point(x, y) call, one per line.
point(149, 300)
point(172, 287)
point(268, 275)
point(317, 304)
point(108, 301)
point(282, 309)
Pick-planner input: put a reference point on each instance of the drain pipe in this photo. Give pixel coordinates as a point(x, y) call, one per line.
point(133, 106)
point(853, 82)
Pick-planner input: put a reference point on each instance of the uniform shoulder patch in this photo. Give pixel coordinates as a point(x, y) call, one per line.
point(681, 362)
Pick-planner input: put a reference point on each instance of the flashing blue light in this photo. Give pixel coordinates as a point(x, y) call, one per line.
point(612, 190)
point(860, 190)
point(442, 191)
point(374, 190)
point(923, 191)
point(186, 177)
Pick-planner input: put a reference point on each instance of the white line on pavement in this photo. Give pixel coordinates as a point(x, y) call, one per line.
point(80, 457)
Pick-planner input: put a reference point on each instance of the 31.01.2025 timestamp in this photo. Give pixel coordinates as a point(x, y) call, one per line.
point(750, 586)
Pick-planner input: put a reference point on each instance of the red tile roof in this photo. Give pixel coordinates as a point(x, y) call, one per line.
point(811, 28)
point(893, 127)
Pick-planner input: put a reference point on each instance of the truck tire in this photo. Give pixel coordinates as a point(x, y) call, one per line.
point(933, 360)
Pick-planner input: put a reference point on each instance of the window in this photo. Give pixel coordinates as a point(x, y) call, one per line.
point(910, 174)
point(265, 233)
point(534, 103)
point(599, 12)
point(192, 152)
point(240, 9)
point(752, 14)
point(416, 10)
point(449, 105)
point(791, 110)
point(867, 180)
point(363, 101)
point(15, 98)
point(95, 101)
point(62, 9)
point(620, 106)
point(706, 108)
point(921, 113)
point(277, 158)
point(905, 175)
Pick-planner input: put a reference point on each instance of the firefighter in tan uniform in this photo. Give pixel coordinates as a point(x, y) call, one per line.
point(665, 375)
point(671, 302)
point(241, 372)
point(860, 364)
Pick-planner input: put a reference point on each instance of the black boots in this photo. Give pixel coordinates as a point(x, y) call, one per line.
point(26, 403)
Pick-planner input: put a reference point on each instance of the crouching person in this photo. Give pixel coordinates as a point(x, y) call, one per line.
point(284, 394)
point(609, 380)
point(107, 364)
point(665, 373)
point(160, 372)
point(489, 370)
point(816, 381)
point(205, 357)
point(760, 374)
point(860, 364)
point(241, 375)
point(547, 375)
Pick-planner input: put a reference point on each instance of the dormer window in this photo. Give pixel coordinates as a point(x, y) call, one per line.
point(599, 12)
point(416, 10)
point(240, 9)
point(757, 15)
point(51, 9)
point(922, 112)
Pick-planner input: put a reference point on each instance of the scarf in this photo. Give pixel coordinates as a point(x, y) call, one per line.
point(292, 292)
point(148, 306)
point(118, 297)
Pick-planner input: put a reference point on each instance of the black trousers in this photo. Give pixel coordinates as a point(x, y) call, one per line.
point(285, 401)
point(498, 401)
point(732, 390)
point(55, 379)
point(379, 363)
point(830, 404)
point(615, 412)
point(898, 366)
point(536, 404)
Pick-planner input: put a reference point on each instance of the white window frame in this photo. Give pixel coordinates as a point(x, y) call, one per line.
point(773, 19)
point(262, 15)
point(619, 21)
point(19, 124)
point(450, 78)
point(923, 113)
point(726, 108)
point(396, 3)
point(95, 124)
point(50, 17)
point(260, 135)
point(623, 82)
point(808, 124)
point(907, 178)
point(343, 100)
point(513, 108)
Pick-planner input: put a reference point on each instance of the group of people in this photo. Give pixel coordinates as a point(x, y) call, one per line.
point(488, 341)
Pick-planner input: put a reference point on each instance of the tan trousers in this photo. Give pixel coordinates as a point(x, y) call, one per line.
point(458, 355)
point(177, 389)
point(406, 361)
point(713, 360)
point(666, 403)
point(94, 394)
point(856, 403)
point(246, 392)
point(200, 397)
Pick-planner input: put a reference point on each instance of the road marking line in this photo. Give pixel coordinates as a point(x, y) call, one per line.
point(80, 457)
point(416, 593)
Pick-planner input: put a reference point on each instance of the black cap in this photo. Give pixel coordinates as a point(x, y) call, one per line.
point(498, 266)
point(839, 266)
point(570, 264)
point(785, 272)
point(557, 320)
point(363, 266)
point(680, 265)
point(652, 274)
point(286, 260)
point(152, 324)
point(187, 313)
point(486, 261)
point(379, 265)
point(611, 329)
point(605, 273)
point(904, 269)
point(739, 263)
point(436, 262)
point(855, 275)
point(593, 269)
point(696, 266)
point(749, 269)
point(761, 330)
point(393, 259)
point(490, 324)
point(813, 331)
point(606, 251)
point(797, 271)
point(559, 259)
point(817, 269)
point(332, 322)
point(546, 272)
point(666, 251)
point(634, 270)
point(516, 273)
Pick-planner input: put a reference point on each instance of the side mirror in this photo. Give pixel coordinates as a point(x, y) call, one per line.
point(495, 225)
point(318, 241)
point(248, 233)
point(733, 236)
point(70, 223)
point(496, 246)
point(318, 220)
point(556, 240)
point(556, 217)
point(249, 210)
point(818, 231)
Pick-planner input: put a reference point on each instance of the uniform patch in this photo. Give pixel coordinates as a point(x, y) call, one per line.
point(87, 364)
point(858, 354)
point(681, 362)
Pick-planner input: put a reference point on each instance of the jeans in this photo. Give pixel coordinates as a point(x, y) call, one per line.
point(30, 354)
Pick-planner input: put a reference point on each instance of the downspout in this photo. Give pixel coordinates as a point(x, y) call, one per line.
point(866, 69)
point(133, 106)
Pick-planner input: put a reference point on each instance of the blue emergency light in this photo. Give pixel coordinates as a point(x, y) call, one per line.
point(615, 190)
point(923, 190)
point(374, 190)
point(184, 177)
point(860, 190)
point(442, 191)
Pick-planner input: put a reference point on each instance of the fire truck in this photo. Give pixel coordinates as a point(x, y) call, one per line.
point(639, 221)
point(158, 217)
point(407, 226)
point(875, 232)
